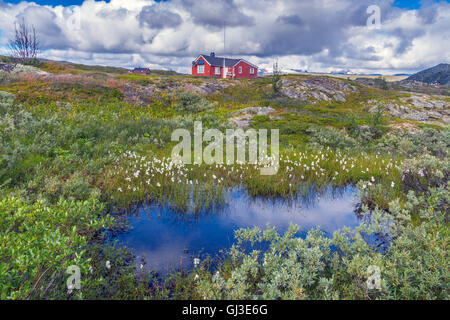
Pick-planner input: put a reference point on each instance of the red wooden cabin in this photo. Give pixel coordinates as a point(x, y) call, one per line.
point(213, 66)
point(141, 71)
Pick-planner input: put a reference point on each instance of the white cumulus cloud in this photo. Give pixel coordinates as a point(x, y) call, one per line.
point(322, 35)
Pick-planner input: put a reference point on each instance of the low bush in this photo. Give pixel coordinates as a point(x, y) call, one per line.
point(39, 242)
point(6, 101)
point(266, 265)
point(192, 103)
point(331, 137)
point(411, 144)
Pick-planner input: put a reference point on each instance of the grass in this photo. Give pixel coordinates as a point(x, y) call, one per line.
point(75, 143)
point(72, 68)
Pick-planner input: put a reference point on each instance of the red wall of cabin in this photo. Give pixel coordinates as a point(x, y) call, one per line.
point(208, 69)
point(245, 71)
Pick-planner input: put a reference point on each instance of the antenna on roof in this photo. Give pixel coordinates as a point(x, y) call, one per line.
point(224, 36)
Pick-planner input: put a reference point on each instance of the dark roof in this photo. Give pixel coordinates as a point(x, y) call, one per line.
point(218, 61)
point(141, 69)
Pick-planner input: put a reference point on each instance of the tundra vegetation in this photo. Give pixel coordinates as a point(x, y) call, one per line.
point(78, 143)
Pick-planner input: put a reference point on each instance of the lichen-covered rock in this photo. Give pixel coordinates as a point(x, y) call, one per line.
point(207, 86)
point(243, 117)
point(316, 89)
point(418, 107)
point(6, 67)
point(253, 111)
point(415, 115)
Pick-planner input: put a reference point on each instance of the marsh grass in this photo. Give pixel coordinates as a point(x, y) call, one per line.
point(195, 188)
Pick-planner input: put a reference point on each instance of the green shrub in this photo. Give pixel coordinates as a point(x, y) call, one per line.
point(6, 101)
point(410, 144)
point(330, 137)
point(291, 268)
point(4, 76)
point(421, 173)
point(276, 79)
point(266, 265)
point(192, 103)
point(39, 242)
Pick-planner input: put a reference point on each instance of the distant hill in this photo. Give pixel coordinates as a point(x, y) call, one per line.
point(438, 74)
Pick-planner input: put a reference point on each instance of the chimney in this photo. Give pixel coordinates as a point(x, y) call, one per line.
point(212, 54)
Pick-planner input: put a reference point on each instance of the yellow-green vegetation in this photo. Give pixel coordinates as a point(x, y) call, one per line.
point(83, 139)
point(72, 68)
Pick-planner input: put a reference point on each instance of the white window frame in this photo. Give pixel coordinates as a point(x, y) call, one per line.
point(240, 69)
point(217, 70)
point(201, 69)
point(252, 70)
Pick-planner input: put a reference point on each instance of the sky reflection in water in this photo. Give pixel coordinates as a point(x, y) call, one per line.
point(167, 240)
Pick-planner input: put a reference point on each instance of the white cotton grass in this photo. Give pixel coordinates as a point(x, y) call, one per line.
point(135, 177)
point(196, 262)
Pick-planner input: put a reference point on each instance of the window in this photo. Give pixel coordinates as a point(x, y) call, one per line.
point(200, 69)
point(252, 70)
point(240, 69)
point(217, 70)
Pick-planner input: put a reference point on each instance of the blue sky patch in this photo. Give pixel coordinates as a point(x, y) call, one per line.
point(65, 3)
point(413, 4)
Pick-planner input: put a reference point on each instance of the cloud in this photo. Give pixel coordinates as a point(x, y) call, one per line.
point(154, 17)
point(43, 20)
point(428, 14)
point(290, 19)
point(216, 12)
point(313, 35)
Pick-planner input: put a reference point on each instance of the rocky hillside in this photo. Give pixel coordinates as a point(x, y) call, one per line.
point(439, 74)
point(314, 89)
point(410, 100)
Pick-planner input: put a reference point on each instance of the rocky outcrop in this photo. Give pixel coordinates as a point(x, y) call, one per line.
point(426, 102)
point(6, 67)
point(313, 89)
point(418, 107)
point(243, 117)
point(143, 94)
point(207, 87)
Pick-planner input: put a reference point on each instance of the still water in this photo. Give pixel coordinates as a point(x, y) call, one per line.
point(167, 240)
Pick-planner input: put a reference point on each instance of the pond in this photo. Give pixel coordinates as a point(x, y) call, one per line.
point(166, 239)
